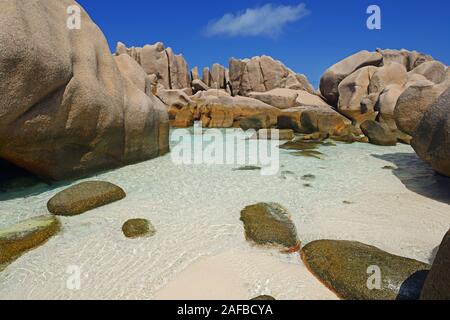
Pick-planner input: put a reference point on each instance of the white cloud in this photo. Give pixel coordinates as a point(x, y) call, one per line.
point(268, 20)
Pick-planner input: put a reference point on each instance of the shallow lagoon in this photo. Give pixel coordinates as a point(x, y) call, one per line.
point(200, 244)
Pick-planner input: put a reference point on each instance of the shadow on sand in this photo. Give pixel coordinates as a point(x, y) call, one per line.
point(418, 176)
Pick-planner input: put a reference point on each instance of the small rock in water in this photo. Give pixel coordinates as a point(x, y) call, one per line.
point(286, 174)
point(347, 202)
point(26, 235)
point(264, 298)
point(309, 177)
point(84, 197)
point(309, 154)
point(389, 168)
point(136, 228)
point(299, 145)
point(269, 224)
point(247, 168)
point(307, 185)
point(356, 271)
point(275, 134)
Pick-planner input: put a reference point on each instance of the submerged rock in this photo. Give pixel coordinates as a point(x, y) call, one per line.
point(84, 197)
point(25, 236)
point(309, 154)
point(437, 285)
point(275, 134)
point(349, 269)
point(300, 145)
point(247, 168)
point(136, 228)
point(269, 224)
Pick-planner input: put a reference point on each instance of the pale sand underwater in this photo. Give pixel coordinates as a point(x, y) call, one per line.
point(200, 250)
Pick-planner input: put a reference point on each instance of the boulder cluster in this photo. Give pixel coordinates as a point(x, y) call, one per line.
point(70, 108)
point(381, 97)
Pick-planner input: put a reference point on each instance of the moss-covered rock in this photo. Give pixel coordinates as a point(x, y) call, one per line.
point(269, 224)
point(437, 285)
point(349, 269)
point(84, 197)
point(25, 236)
point(136, 228)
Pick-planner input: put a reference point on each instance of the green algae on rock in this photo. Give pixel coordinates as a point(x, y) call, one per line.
point(269, 224)
point(348, 269)
point(25, 236)
point(136, 228)
point(84, 197)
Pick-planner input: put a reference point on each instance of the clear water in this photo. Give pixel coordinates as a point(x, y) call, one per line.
point(196, 211)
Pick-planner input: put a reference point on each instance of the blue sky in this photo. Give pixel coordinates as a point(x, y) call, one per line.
point(307, 35)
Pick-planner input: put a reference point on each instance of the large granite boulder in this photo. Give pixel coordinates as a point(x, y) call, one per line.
point(379, 133)
point(282, 98)
point(66, 108)
point(269, 224)
point(414, 102)
point(409, 59)
point(332, 77)
point(352, 90)
point(83, 197)
point(26, 235)
point(310, 119)
point(220, 110)
point(261, 74)
point(431, 139)
point(350, 270)
point(437, 285)
point(171, 70)
point(433, 71)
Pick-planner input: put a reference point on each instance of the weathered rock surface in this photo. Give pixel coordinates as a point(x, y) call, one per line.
point(269, 224)
point(414, 102)
point(437, 285)
point(310, 119)
point(347, 268)
point(66, 109)
point(261, 74)
point(137, 228)
point(289, 98)
point(256, 122)
point(332, 77)
point(83, 197)
point(379, 133)
point(431, 139)
point(409, 59)
point(199, 85)
point(26, 235)
point(223, 110)
point(171, 70)
point(352, 90)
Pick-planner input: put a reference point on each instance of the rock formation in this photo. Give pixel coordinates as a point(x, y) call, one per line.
point(66, 108)
point(261, 74)
point(431, 139)
point(170, 70)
